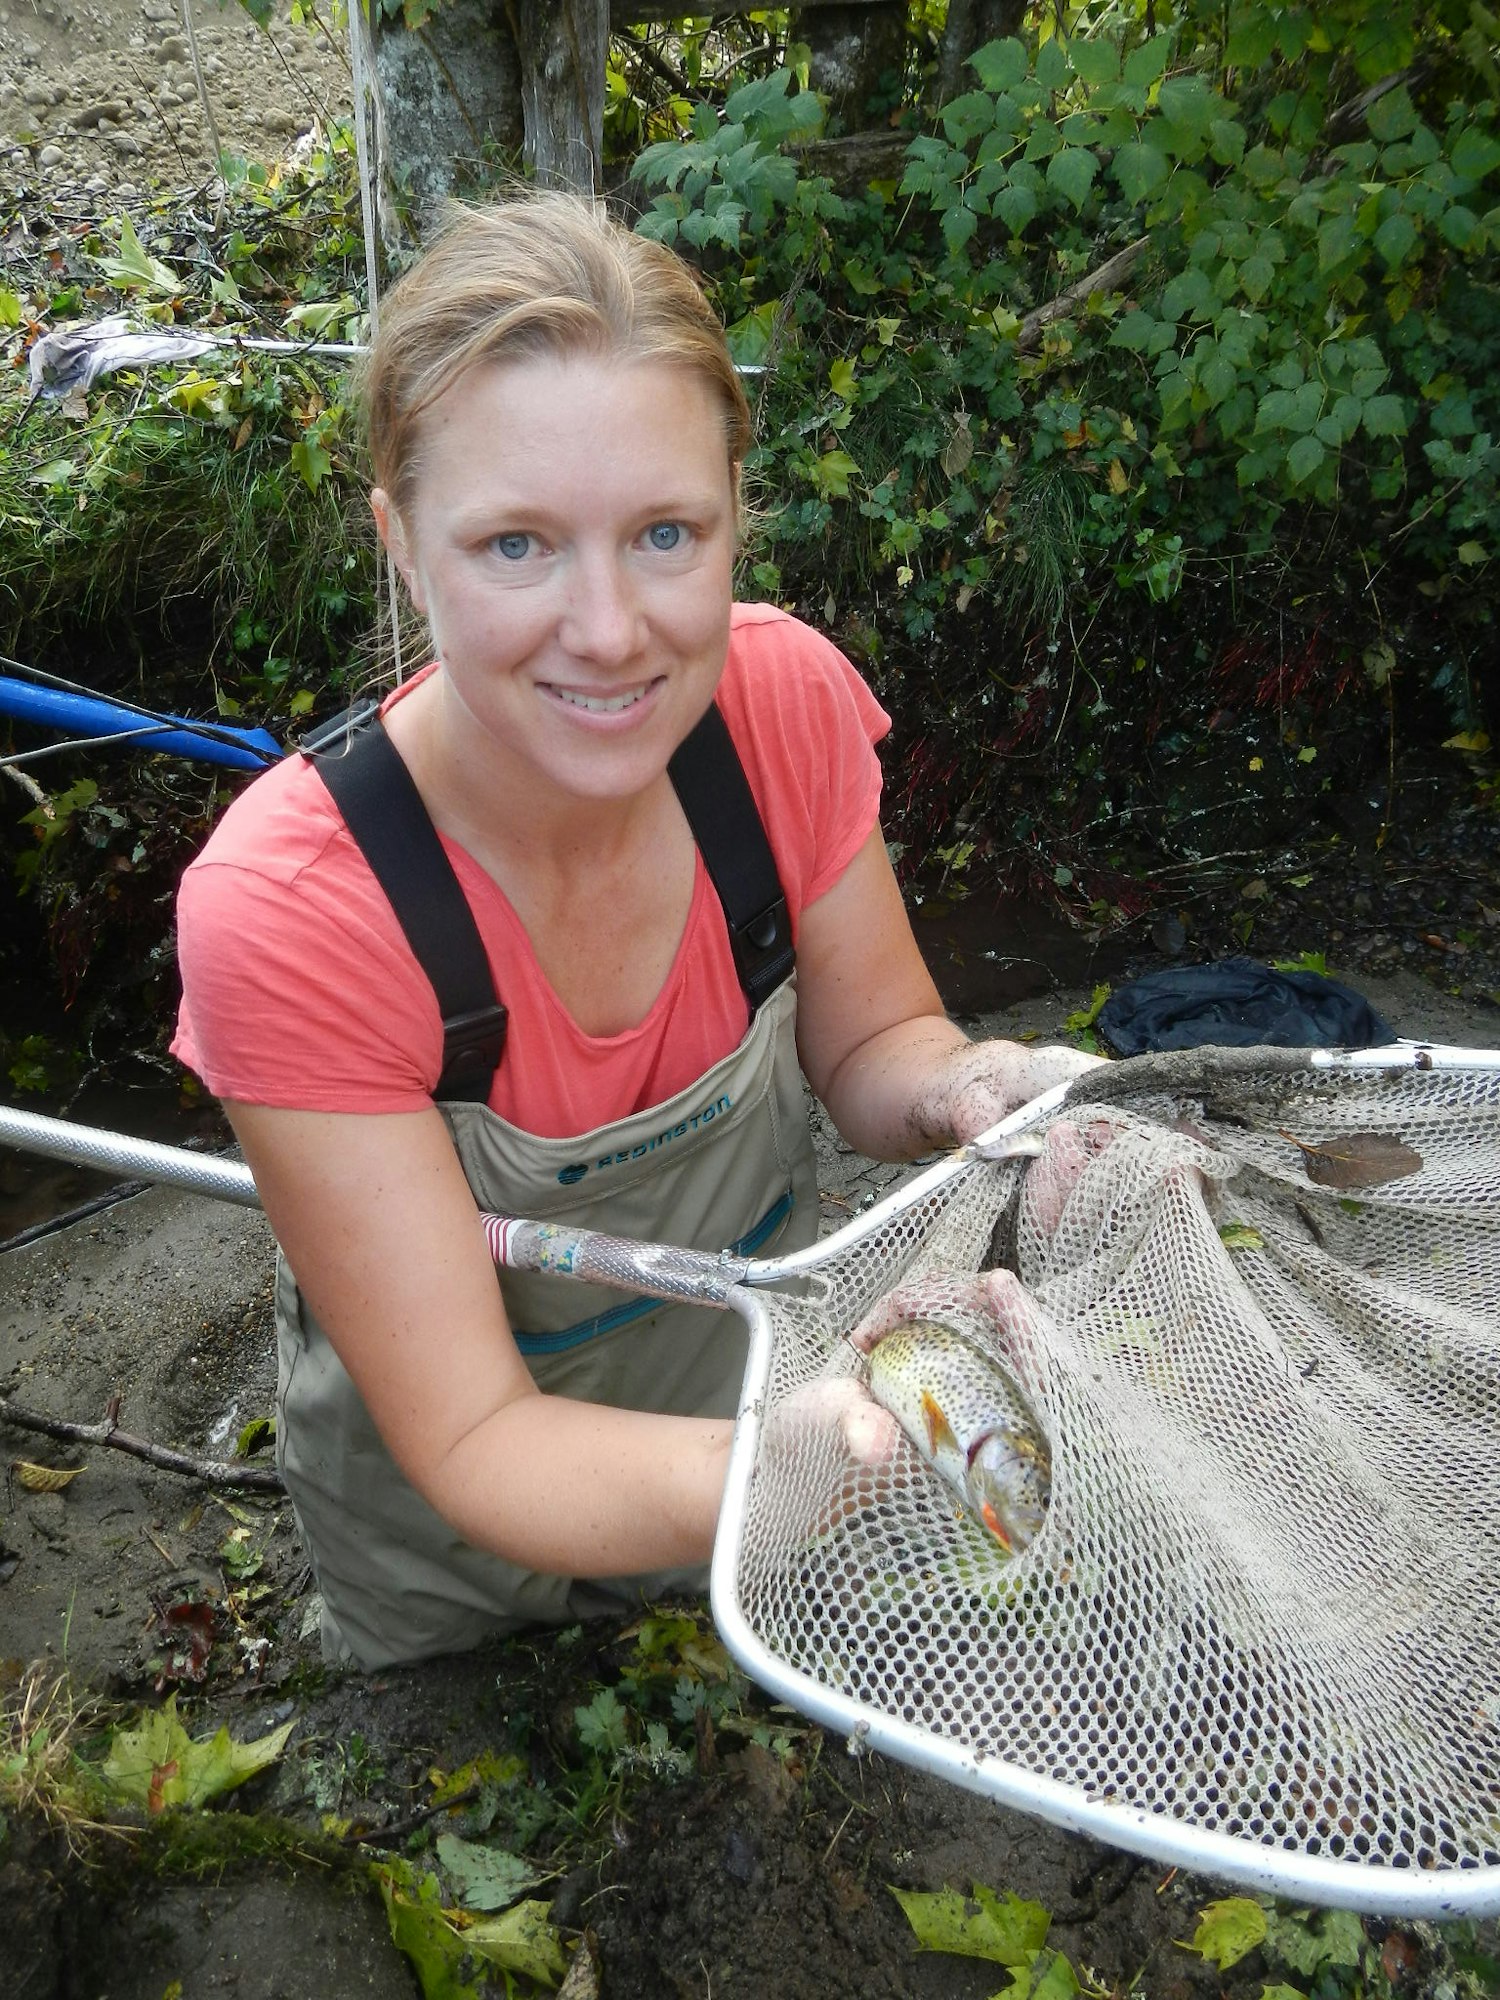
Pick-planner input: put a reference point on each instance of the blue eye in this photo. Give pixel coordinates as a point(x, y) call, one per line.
point(512, 547)
point(665, 535)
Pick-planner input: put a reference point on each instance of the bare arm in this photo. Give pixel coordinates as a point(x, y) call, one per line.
point(897, 1076)
point(380, 1227)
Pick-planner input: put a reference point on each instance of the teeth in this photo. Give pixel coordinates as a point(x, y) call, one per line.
point(599, 704)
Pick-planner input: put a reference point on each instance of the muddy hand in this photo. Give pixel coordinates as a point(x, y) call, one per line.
point(998, 1295)
point(839, 1404)
point(984, 1082)
point(1052, 1177)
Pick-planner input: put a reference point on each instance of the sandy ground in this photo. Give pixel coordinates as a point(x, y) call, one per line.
point(102, 96)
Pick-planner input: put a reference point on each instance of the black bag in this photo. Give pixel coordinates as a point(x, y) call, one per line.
point(1238, 1004)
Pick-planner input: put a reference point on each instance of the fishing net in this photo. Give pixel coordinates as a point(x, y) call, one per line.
point(1262, 1616)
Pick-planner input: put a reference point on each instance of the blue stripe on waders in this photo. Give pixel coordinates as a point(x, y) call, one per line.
point(617, 1316)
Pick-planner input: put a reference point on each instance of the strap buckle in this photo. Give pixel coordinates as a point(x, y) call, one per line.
point(763, 955)
point(472, 1047)
point(334, 734)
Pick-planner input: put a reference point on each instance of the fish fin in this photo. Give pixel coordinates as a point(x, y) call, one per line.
point(939, 1430)
point(992, 1522)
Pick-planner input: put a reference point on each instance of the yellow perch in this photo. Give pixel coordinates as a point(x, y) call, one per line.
point(970, 1422)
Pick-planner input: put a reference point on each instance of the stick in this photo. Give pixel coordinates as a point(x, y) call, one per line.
point(213, 1471)
point(1103, 279)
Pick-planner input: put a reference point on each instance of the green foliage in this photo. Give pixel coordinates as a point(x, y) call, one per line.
point(216, 502)
point(1306, 330)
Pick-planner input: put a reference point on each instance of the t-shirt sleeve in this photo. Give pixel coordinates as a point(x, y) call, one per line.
point(298, 989)
point(808, 726)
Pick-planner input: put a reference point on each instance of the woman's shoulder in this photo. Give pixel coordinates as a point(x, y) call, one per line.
point(782, 673)
point(281, 824)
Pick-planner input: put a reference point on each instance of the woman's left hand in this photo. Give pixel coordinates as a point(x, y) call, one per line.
point(980, 1083)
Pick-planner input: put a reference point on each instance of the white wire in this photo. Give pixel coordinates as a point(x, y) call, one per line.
point(366, 167)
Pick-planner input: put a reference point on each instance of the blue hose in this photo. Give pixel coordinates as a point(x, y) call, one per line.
point(88, 715)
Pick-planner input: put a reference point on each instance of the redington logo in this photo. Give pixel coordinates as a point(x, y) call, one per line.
point(572, 1174)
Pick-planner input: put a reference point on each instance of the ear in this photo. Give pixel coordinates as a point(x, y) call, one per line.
point(392, 533)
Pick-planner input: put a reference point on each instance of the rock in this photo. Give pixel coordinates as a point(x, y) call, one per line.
point(171, 48)
point(94, 114)
point(50, 156)
point(125, 143)
point(36, 93)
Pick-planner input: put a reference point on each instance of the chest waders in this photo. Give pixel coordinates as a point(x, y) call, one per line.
point(724, 1164)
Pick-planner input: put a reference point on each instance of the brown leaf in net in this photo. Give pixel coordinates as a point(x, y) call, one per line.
point(43, 1478)
point(1357, 1159)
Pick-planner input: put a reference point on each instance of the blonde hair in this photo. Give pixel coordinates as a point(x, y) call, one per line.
point(548, 274)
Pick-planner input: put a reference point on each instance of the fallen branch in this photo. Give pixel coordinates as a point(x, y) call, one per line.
point(1105, 278)
point(397, 1829)
point(212, 1471)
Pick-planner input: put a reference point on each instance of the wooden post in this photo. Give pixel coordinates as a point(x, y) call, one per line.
point(970, 24)
point(564, 45)
point(852, 47)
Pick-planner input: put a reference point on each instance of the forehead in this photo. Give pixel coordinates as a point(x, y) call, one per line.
point(551, 407)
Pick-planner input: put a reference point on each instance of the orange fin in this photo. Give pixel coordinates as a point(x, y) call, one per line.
point(992, 1522)
point(939, 1430)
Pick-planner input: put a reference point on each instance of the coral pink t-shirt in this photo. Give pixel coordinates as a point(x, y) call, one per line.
point(300, 990)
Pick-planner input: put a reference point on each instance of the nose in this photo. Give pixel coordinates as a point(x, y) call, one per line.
point(602, 615)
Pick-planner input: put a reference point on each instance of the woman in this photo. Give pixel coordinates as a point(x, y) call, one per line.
point(557, 434)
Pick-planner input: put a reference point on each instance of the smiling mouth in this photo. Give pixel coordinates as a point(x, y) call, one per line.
point(601, 704)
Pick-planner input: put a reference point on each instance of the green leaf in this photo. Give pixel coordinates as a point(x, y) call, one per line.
point(523, 1941)
point(1304, 458)
point(1458, 225)
point(1395, 237)
point(1052, 69)
point(1072, 173)
point(255, 1436)
point(842, 380)
point(1226, 141)
point(998, 65)
point(1229, 1930)
point(484, 1878)
point(1191, 292)
point(1189, 105)
point(1134, 332)
point(1015, 206)
point(134, 269)
point(1257, 275)
point(311, 463)
point(1094, 58)
point(1240, 1236)
point(958, 225)
point(421, 1929)
point(984, 1925)
point(10, 307)
point(603, 1723)
point(1149, 61)
point(1140, 169)
point(1392, 116)
point(158, 1765)
point(1047, 1975)
point(1385, 416)
point(1475, 153)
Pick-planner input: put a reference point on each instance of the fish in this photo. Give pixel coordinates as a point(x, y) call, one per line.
point(970, 1422)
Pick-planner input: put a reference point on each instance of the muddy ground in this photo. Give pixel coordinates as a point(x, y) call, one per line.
point(755, 1874)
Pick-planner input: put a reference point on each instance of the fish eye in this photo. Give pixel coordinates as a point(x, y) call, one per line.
point(512, 547)
point(664, 535)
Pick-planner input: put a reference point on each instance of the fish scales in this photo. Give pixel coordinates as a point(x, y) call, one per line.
point(970, 1421)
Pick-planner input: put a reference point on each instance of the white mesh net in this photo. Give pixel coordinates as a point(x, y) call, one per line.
point(1264, 1603)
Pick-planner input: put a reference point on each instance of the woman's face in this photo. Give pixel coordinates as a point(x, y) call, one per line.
point(570, 539)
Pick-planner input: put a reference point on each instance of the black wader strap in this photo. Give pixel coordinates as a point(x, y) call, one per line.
point(383, 810)
point(715, 794)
